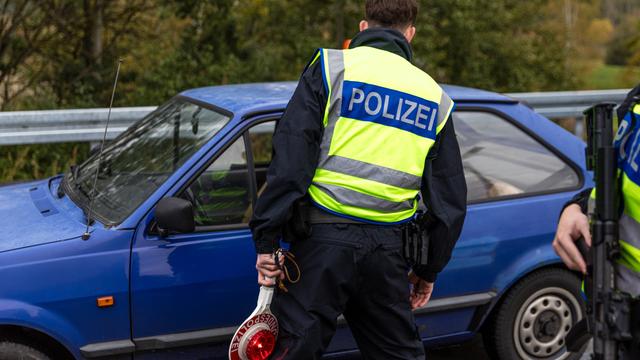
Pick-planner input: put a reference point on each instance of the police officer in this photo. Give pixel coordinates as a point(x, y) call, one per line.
point(574, 223)
point(364, 134)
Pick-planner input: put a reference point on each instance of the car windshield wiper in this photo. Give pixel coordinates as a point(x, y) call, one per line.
point(79, 187)
point(75, 170)
point(76, 186)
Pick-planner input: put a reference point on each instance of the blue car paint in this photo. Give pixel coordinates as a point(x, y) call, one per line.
point(54, 286)
point(201, 281)
point(40, 218)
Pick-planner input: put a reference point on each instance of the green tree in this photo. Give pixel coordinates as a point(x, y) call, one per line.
point(496, 45)
point(169, 46)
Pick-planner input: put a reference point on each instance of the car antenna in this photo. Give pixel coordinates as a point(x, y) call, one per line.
point(87, 234)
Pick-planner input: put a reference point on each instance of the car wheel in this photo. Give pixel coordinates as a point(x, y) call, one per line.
point(536, 314)
point(14, 351)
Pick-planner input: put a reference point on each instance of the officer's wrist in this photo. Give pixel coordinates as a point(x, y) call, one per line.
point(426, 275)
point(264, 248)
point(429, 276)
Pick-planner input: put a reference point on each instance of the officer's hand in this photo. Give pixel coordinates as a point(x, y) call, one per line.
point(572, 226)
point(420, 292)
point(267, 268)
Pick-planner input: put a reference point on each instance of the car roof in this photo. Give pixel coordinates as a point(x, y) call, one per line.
point(245, 98)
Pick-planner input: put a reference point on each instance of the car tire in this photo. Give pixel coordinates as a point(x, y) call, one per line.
point(530, 323)
point(15, 351)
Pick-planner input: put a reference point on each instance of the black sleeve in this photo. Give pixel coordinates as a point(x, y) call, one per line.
point(581, 198)
point(444, 190)
point(296, 147)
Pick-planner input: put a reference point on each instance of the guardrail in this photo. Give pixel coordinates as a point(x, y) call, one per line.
point(87, 125)
point(568, 104)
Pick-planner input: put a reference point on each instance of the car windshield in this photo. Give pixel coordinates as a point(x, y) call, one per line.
point(139, 160)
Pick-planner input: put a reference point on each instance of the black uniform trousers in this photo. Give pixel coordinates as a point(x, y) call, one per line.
point(355, 270)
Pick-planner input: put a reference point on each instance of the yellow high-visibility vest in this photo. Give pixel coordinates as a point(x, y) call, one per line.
point(382, 117)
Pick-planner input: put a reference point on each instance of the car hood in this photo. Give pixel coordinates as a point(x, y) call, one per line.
point(29, 217)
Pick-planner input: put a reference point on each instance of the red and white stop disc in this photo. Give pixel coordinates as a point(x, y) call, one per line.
point(255, 339)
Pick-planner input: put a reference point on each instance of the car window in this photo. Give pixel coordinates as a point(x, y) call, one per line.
point(142, 158)
point(261, 147)
point(221, 194)
point(502, 160)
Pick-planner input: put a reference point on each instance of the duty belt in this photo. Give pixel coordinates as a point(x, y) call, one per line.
point(317, 216)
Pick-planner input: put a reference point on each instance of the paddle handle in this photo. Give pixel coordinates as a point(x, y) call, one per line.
point(265, 296)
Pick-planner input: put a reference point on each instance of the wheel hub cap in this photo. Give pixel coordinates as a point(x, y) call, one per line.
point(543, 325)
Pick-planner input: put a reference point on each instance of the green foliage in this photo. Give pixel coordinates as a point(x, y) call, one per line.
point(169, 46)
point(513, 51)
point(613, 77)
point(625, 40)
point(19, 163)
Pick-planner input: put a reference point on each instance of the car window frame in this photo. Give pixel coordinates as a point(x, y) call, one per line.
point(540, 140)
point(244, 133)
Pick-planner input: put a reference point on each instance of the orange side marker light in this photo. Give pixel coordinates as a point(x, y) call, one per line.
point(105, 301)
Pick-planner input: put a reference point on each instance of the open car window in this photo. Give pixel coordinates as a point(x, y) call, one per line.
point(501, 160)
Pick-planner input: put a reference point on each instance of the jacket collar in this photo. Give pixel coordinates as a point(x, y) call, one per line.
point(384, 39)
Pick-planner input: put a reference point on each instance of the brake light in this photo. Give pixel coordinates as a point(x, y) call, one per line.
point(260, 345)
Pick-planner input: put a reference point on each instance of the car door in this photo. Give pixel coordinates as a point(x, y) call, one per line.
point(190, 291)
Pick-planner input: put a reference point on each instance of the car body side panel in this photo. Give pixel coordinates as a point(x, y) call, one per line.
point(192, 282)
point(27, 315)
point(54, 288)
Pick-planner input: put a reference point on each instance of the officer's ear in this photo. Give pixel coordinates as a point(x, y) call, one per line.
point(364, 25)
point(409, 33)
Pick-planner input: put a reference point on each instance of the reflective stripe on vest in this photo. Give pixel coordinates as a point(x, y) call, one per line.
point(382, 117)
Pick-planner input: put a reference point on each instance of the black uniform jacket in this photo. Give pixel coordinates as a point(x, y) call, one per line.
point(296, 148)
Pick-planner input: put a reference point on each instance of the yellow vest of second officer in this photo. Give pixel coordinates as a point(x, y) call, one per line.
point(382, 117)
point(629, 163)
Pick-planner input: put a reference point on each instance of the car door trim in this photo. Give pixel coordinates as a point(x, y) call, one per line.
point(218, 335)
point(109, 348)
point(184, 339)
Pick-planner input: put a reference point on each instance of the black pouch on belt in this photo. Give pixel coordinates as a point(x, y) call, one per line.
point(298, 227)
point(423, 247)
point(415, 241)
point(407, 245)
point(411, 243)
point(424, 222)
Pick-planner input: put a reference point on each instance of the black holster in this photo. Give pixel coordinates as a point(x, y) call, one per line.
point(298, 227)
point(415, 241)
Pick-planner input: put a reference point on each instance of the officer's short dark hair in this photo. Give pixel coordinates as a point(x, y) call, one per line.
point(397, 14)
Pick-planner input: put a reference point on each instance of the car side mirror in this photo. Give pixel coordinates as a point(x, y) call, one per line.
point(174, 215)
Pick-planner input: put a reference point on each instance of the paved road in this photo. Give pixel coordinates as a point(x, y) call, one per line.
point(472, 350)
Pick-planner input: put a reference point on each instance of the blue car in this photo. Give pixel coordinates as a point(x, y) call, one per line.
point(176, 282)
